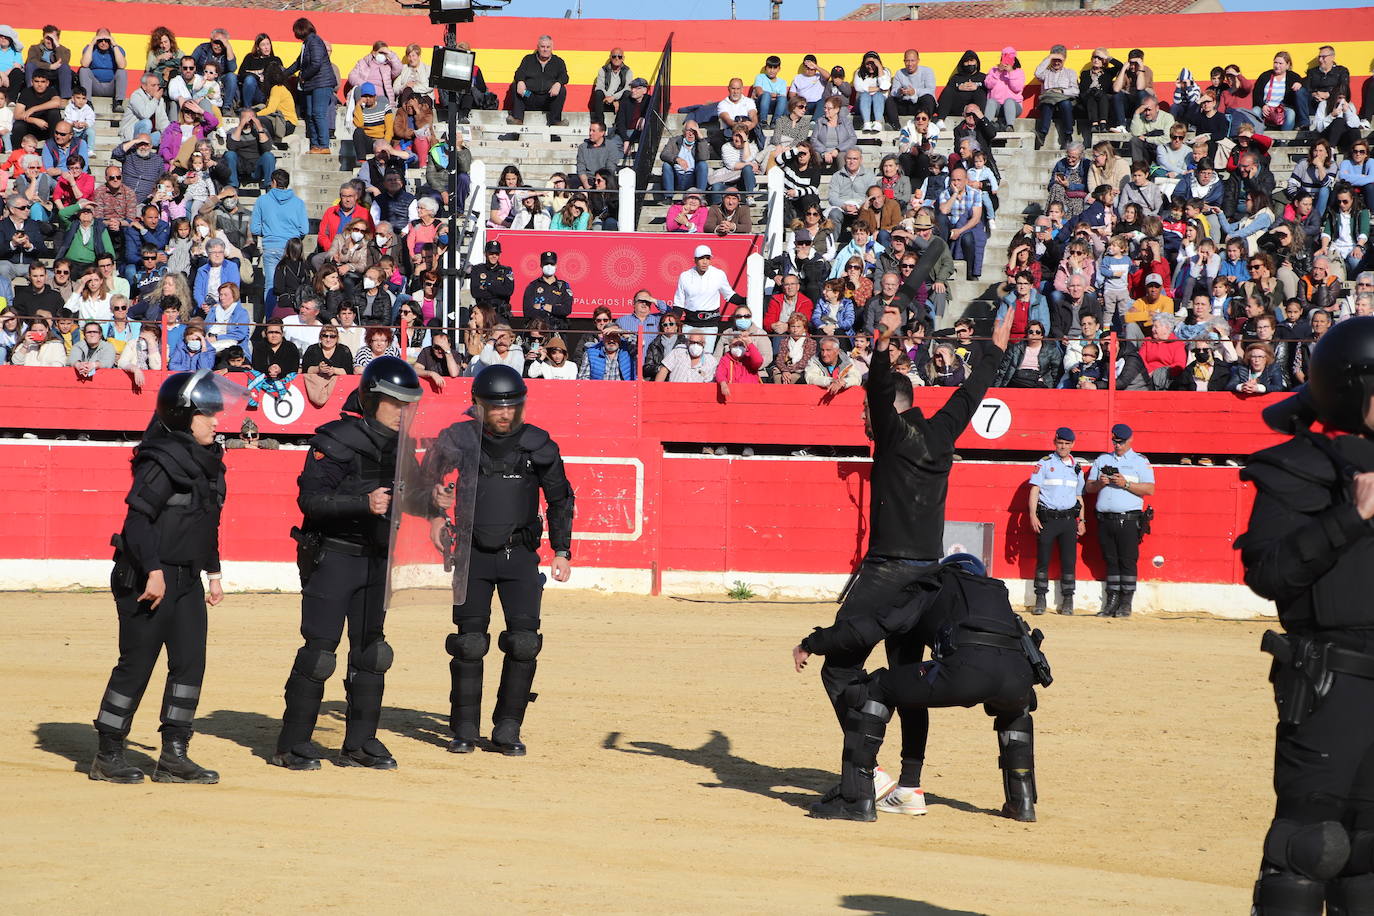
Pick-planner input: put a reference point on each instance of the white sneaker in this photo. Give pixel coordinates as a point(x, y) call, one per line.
point(882, 783)
point(902, 800)
point(1118, 129)
point(992, 225)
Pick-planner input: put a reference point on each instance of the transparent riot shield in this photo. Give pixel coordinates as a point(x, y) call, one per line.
point(431, 506)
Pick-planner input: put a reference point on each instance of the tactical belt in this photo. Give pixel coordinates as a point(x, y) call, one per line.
point(1057, 513)
point(991, 640)
point(1344, 661)
point(350, 549)
point(1134, 513)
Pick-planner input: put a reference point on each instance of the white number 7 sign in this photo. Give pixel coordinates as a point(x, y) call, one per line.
point(992, 419)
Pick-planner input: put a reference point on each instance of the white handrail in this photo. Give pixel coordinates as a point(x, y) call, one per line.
point(625, 208)
point(772, 239)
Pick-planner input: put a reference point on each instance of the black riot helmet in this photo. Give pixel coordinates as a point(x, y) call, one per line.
point(499, 386)
point(1341, 378)
point(390, 376)
point(185, 394)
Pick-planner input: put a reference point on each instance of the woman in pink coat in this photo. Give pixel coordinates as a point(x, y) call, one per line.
point(380, 67)
point(1005, 84)
point(192, 124)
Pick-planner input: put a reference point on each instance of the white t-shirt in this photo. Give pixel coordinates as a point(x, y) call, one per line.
point(744, 108)
point(302, 335)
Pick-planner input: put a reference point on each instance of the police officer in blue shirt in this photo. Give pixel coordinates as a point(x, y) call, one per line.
point(1056, 517)
point(1120, 479)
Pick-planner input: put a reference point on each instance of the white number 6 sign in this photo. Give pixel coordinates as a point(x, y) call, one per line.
point(285, 410)
point(992, 419)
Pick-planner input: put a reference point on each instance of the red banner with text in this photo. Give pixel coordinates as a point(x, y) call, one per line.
point(608, 268)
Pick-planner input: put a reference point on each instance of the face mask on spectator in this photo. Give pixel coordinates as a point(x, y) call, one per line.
point(356, 236)
point(369, 283)
point(737, 351)
point(381, 58)
point(442, 239)
point(194, 344)
point(550, 270)
point(743, 323)
point(203, 231)
point(695, 349)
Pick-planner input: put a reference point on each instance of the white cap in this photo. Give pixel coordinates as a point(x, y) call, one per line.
point(703, 251)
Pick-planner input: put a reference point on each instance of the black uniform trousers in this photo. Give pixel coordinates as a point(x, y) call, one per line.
point(1119, 534)
point(180, 624)
point(513, 575)
point(1000, 679)
point(1324, 772)
point(343, 589)
point(1057, 529)
point(878, 585)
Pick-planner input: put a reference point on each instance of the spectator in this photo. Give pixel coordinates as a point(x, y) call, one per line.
point(1006, 86)
point(915, 145)
point(85, 240)
point(22, 242)
point(104, 69)
point(688, 361)
point(1032, 362)
point(37, 108)
point(641, 325)
point(39, 346)
point(890, 178)
point(303, 328)
point(1140, 191)
point(1097, 90)
point(1026, 303)
point(146, 111)
point(794, 128)
point(81, 116)
point(769, 92)
point(1163, 354)
point(532, 213)
point(808, 84)
point(880, 214)
point(801, 175)
point(52, 59)
point(946, 369)
point(346, 212)
point(1358, 172)
point(1150, 126)
point(730, 216)
point(1141, 314)
point(351, 334)
point(1326, 81)
point(91, 352)
point(861, 245)
point(610, 86)
point(576, 216)
point(278, 218)
point(227, 322)
point(1058, 89)
point(668, 336)
point(833, 135)
point(794, 352)
point(373, 120)
point(1069, 181)
point(833, 315)
point(848, 187)
point(548, 296)
point(1257, 373)
point(739, 159)
point(685, 160)
point(831, 368)
point(39, 295)
point(699, 292)
point(380, 67)
point(739, 359)
point(872, 83)
point(735, 112)
point(1279, 97)
point(1203, 372)
point(965, 86)
point(1132, 83)
point(540, 84)
point(190, 352)
point(105, 266)
point(276, 357)
point(1068, 307)
point(219, 53)
point(961, 217)
point(249, 153)
point(316, 80)
point(352, 254)
point(551, 361)
point(630, 116)
point(913, 90)
point(594, 154)
point(193, 124)
point(607, 360)
point(252, 71)
point(821, 234)
point(217, 269)
point(11, 333)
point(142, 169)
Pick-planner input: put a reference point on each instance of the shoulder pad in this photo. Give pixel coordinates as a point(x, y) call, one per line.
point(168, 455)
point(533, 438)
point(1295, 472)
point(341, 439)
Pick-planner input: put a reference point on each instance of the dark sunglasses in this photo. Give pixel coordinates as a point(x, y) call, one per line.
point(648, 302)
point(119, 308)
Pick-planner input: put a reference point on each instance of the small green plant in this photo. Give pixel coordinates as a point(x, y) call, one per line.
point(740, 590)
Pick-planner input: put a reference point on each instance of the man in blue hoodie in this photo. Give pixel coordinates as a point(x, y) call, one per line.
point(278, 218)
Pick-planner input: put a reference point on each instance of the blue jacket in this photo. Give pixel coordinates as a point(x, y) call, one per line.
point(313, 65)
point(279, 216)
point(239, 329)
point(181, 359)
point(228, 273)
point(137, 235)
point(1271, 378)
point(596, 355)
point(1039, 310)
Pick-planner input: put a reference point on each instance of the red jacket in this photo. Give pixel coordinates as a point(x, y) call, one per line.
point(1159, 354)
point(772, 314)
point(329, 223)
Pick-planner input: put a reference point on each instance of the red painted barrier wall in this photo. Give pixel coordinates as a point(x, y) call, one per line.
point(694, 513)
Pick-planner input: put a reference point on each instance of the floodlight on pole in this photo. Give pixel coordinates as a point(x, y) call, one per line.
point(451, 69)
point(443, 12)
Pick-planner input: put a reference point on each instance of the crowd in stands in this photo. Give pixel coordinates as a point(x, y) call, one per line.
point(1164, 254)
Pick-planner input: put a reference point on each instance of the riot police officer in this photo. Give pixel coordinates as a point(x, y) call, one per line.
point(493, 283)
point(514, 461)
point(170, 536)
point(1120, 478)
point(345, 497)
point(912, 457)
point(1309, 547)
point(982, 652)
point(1056, 517)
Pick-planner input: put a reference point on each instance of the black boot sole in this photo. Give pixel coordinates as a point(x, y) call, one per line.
point(829, 811)
point(206, 779)
point(462, 746)
point(291, 762)
point(1020, 815)
point(100, 776)
point(372, 763)
point(508, 750)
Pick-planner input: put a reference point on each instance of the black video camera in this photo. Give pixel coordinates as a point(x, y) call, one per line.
point(1108, 471)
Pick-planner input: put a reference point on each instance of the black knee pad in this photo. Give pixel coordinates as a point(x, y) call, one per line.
point(469, 647)
point(1318, 851)
point(375, 658)
point(521, 645)
point(1016, 740)
point(315, 664)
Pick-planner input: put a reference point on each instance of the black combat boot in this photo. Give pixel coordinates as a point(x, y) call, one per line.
point(1123, 604)
point(371, 754)
point(865, 725)
point(463, 745)
point(304, 756)
point(1019, 788)
point(109, 764)
point(505, 737)
point(1066, 605)
point(1109, 606)
point(1040, 604)
point(174, 766)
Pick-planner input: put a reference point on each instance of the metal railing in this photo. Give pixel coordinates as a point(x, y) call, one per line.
point(655, 119)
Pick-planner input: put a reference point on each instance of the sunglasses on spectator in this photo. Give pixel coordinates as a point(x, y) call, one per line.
point(149, 257)
point(1254, 264)
point(668, 324)
point(602, 320)
point(907, 267)
point(617, 57)
point(61, 273)
point(329, 337)
point(20, 207)
point(1034, 333)
point(1359, 149)
point(648, 302)
point(119, 308)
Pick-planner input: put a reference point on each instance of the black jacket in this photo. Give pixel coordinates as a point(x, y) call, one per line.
point(348, 459)
point(174, 504)
point(1306, 548)
point(540, 78)
point(912, 455)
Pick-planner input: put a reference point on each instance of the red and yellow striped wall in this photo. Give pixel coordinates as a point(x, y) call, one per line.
point(708, 53)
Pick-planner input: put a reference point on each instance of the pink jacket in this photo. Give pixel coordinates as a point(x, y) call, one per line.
point(170, 147)
point(744, 371)
point(368, 70)
point(1005, 85)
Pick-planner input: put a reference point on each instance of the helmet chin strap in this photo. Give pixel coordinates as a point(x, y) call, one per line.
point(380, 429)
